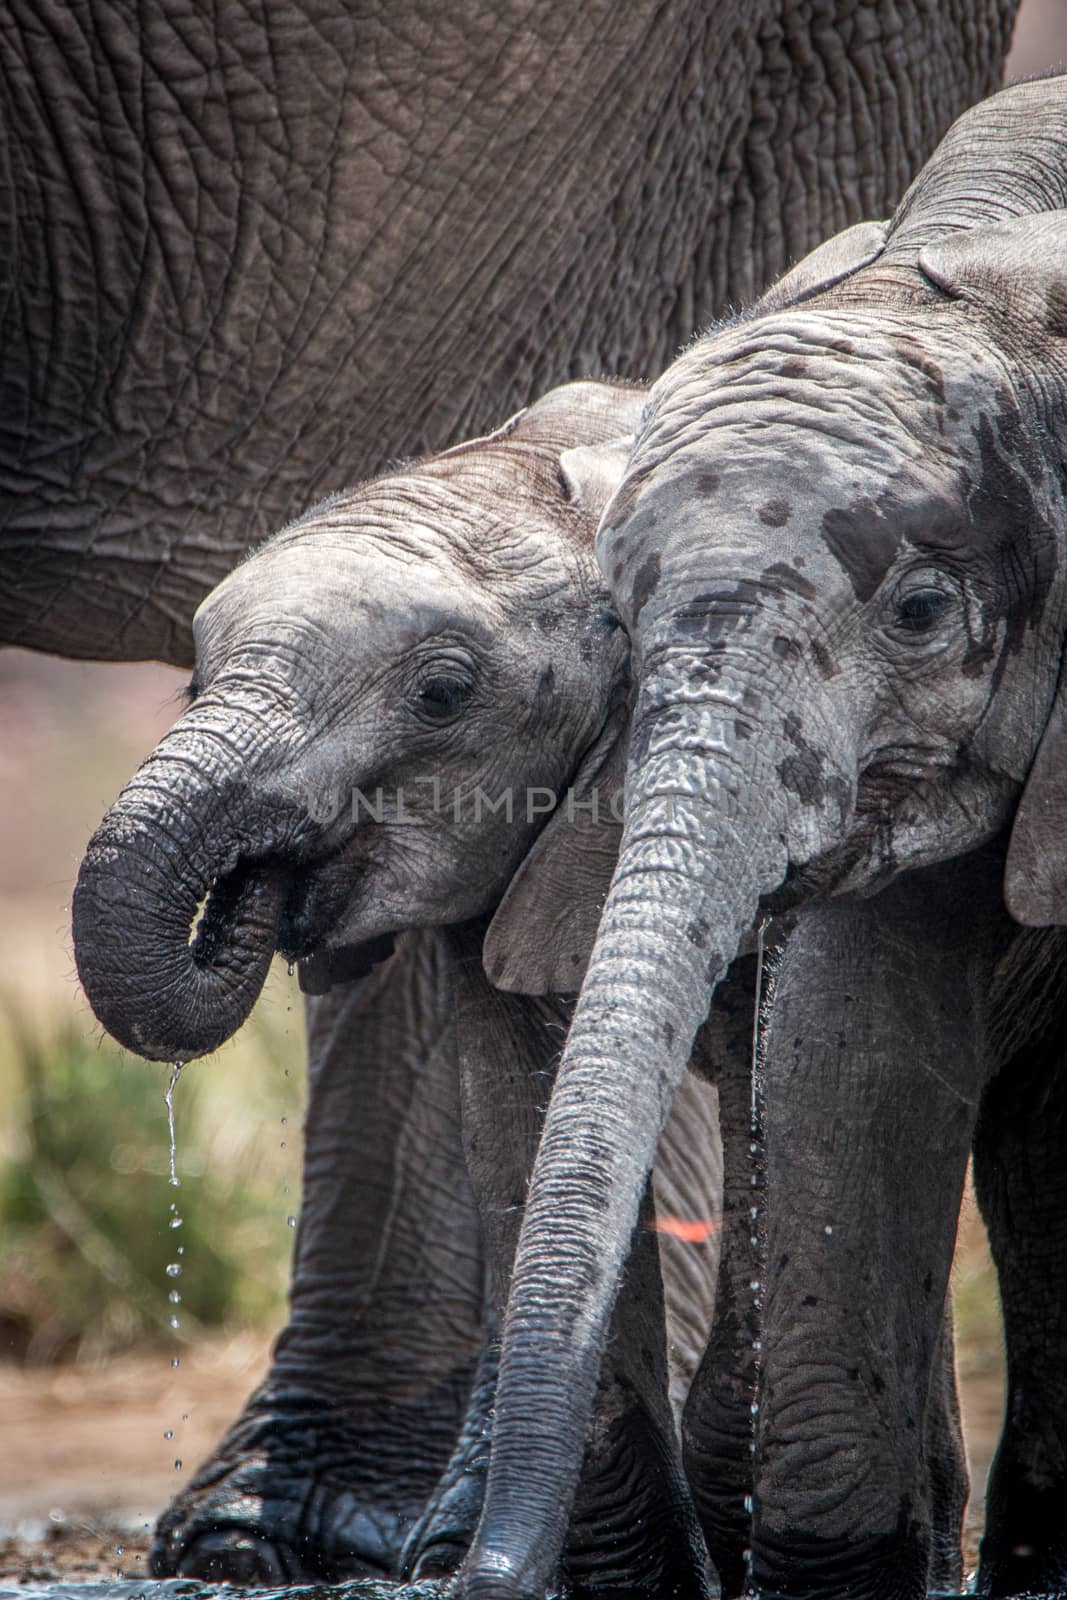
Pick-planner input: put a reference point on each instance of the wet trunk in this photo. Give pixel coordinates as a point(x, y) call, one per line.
point(178, 901)
point(686, 890)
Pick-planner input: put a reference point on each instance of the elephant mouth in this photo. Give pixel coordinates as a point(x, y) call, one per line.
point(318, 898)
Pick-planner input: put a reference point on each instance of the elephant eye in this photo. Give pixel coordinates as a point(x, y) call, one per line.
point(920, 610)
point(441, 696)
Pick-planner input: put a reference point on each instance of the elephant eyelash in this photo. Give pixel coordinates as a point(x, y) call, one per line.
point(190, 690)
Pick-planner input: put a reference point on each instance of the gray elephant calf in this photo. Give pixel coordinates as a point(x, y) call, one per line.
point(387, 697)
point(840, 549)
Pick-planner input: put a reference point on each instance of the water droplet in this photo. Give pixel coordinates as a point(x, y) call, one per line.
point(120, 1549)
point(283, 1144)
point(828, 1229)
point(174, 1324)
point(291, 1221)
point(173, 1269)
point(753, 1241)
point(291, 968)
point(175, 1298)
point(168, 1096)
point(753, 1149)
point(168, 1433)
point(175, 1361)
point(757, 1344)
point(185, 1416)
point(285, 1121)
point(180, 1250)
point(175, 1222)
point(748, 1504)
point(178, 1464)
point(754, 1408)
point(754, 1284)
point(754, 1213)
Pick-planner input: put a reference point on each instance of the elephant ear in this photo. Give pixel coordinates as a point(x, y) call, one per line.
point(1035, 873)
point(826, 265)
point(1018, 267)
point(590, 473)
point(541, 937)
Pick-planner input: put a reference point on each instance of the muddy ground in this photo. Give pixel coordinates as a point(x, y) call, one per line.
point(86, 1465)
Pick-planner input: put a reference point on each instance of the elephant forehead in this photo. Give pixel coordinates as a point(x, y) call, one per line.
point(889, 372)
point(377, 597)
point(806, 436)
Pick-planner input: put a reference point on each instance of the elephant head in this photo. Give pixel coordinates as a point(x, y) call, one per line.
point(388, 697)
point(840, 550)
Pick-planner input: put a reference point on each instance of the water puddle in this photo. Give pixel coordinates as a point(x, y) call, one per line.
point(364, 1589)
point(186, 1589)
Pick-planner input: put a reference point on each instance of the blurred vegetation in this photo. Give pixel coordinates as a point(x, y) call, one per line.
point(87, 1212)
point(979, 1335)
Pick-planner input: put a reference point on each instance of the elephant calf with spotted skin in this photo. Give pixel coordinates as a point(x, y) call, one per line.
point(840, 550)
point(436, 640)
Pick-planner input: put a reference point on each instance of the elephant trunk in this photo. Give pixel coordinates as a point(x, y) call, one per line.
point(178, 902)
point(705, 838)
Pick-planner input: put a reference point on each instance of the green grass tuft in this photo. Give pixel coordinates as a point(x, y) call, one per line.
point(85, 1201)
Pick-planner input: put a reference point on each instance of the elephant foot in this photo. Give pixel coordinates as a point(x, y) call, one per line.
point(635, 1529)
point(1027, 1563)
point(800, 1566)
point(1024, 1549)
point(443, 1534)
point(233, 1556)
point(296, 1492)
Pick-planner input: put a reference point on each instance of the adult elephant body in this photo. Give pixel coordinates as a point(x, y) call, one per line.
point(252, 253)
point(839, 546)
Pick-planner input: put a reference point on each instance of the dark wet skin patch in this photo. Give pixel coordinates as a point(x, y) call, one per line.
point(857, 540)
point(645, 585)
point(865, 537)
point(824, 661)
point(697, 932)
point(782, 576)
point(775, 513)
point(908, 356)
point(1005, 518)
point(805, 773)
point(717, 613)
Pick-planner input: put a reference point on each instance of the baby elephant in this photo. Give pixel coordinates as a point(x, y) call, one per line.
point(840, 549)
point(407, 713)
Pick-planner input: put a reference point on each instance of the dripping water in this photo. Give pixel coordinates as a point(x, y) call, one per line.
point(168, 1096)
point(755, 1152)
point(174, 1268)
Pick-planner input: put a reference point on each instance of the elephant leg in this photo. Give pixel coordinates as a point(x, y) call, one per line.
point(338, 1449)
point(872, 1074)
point(1021, 1180)
point(633, 1527)
point(687, 1186)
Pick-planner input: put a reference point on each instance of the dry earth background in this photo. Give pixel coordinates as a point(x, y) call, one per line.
point(104, 1412)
